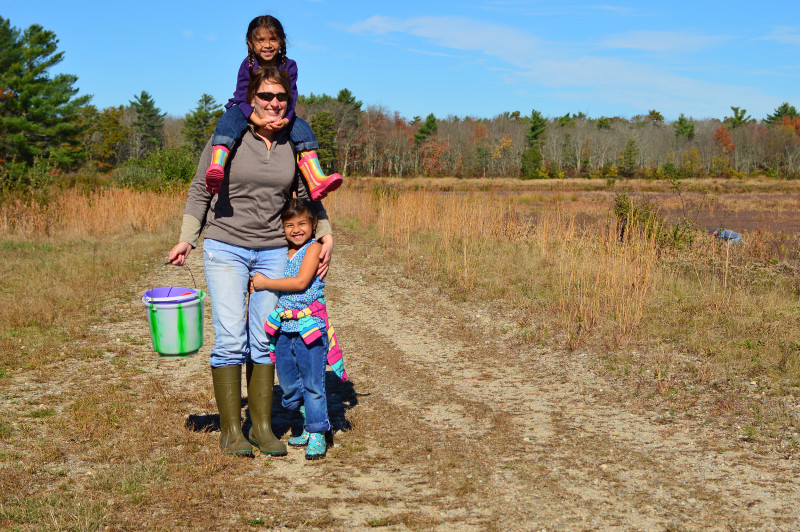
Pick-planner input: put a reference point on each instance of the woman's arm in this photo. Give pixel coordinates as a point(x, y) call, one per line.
point(308, 270)
point(325, 255)
point(324, 232)
point(194, 214)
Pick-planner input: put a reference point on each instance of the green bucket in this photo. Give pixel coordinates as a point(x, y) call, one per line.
point(176, 324)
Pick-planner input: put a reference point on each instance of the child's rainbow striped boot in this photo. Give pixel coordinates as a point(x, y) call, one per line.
point(319, 185)
point(216, 171)
point(300, 441)
point(317, 448)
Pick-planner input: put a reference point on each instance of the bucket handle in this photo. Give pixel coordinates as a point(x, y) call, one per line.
point(152, 287)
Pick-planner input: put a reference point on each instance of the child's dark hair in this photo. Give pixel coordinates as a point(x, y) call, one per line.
point(271, 25)
point(297, 207)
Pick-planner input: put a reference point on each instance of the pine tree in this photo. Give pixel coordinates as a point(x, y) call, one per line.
point(39, 114)
point(532, 156)
point(148, 126)
point(427, 129)
point(347, 97)
point(655, 117)
point(629, 159)
point(784, 110)
point(107, 137)
point(683, 127)
point(739, 118)
point(324, 129)
point(199, 124)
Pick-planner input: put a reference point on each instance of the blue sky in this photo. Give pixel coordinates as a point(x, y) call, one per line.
point(447, 57)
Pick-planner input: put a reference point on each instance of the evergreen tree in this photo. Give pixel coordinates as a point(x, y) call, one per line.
point(538, 126)
point(784, 110)
point(655, 117)
point(346, 97)
point(739, 118)
point(148, 126)
point(629, 159)
point(532, 156)
point(199, 124)
point(683, 127)
point(531, 162)
point(427, 129)
point(324, 128)
point(107, 137)
point(566, 120)
point(603, 123)
point(39, 114)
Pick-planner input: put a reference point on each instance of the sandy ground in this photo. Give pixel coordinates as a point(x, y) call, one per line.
point(448, 424)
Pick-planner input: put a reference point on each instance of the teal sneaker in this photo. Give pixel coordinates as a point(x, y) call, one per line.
point(299, 441)
point(316, 448)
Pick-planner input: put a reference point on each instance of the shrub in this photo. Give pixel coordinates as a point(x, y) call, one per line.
point(643, 219)
point(531, 163)
point(161, 169)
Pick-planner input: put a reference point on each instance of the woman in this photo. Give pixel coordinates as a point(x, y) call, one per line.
point(243, 235)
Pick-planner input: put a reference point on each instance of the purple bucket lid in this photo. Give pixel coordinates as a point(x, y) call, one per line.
point(170, 294)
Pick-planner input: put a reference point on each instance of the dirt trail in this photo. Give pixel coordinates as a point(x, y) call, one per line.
point(450, 425)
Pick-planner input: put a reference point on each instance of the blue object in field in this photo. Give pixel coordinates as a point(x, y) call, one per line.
point(726, 235)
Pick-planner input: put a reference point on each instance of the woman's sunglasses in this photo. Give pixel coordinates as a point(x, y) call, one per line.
point(268, 96)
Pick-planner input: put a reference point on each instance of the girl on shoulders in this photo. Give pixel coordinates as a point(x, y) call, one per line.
point(266, 45)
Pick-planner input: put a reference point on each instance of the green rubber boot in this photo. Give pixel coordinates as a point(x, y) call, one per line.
point(228, 393)
point(260, 380)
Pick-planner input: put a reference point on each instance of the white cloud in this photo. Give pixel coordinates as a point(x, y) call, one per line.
point(661, 41)
point(784, 35)
point(435, 54)
point(509, 44)
point(187, 33)
point(566, 73)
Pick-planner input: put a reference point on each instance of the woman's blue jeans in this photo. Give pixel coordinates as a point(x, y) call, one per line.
point(231, 126)
point(301, 373)
point(239, 334)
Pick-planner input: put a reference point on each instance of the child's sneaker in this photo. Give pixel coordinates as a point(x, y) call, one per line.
point(299, 441)
point(319, 185)
point(316, 448)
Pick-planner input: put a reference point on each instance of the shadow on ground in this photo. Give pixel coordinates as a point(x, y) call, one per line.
point(341, 398)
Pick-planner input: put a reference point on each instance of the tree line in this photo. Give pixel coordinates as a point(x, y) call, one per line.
point(43, 119)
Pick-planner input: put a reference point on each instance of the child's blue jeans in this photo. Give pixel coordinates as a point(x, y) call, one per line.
point(231, 126)
point(301, 372)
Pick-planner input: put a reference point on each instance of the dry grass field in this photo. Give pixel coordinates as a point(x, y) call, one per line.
point(519, 365)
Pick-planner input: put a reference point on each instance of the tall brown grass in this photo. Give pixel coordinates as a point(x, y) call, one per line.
point(61, 260)
point(479, 244)
point(73, 213)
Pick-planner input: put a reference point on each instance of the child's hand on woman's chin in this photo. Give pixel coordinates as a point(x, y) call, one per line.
point(276, 125)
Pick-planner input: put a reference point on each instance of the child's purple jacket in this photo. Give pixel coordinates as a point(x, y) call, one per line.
point(243, 78)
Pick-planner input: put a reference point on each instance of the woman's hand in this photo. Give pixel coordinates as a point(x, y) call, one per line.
point(178, 254)
point(325, 256)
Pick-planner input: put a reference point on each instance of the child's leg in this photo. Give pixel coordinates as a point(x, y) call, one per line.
point(305, 143)
point(291, 384)
point(288, 373)
point(229, 129)
point(311, 362)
